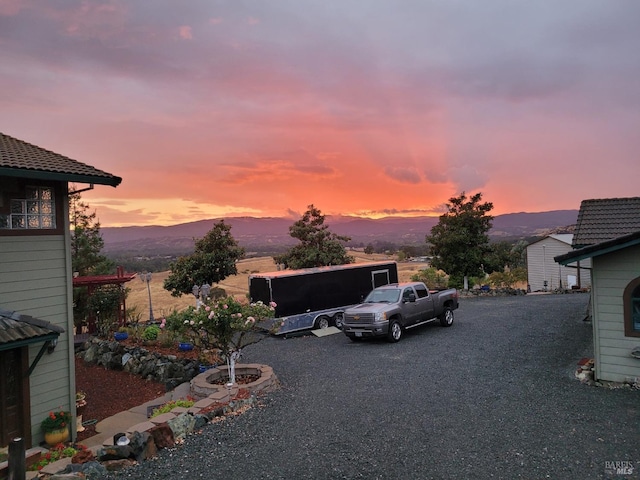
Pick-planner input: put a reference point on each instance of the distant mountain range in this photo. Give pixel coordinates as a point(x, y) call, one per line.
point(272, 234)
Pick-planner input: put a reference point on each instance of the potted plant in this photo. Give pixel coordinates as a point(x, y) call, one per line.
point(205, 360)
point(185, 345)
point(56, 427)
point(81, 403)
point(121, 334)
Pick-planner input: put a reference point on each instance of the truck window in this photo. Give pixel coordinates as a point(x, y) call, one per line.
point(406, 294)
point(421, 290)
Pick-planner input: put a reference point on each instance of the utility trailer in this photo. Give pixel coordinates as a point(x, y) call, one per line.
point(317, 297)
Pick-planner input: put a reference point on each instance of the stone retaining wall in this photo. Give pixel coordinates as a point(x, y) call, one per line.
point(167, 369)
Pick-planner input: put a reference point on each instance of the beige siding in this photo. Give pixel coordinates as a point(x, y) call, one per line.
point(541, 266)
point(35, 280)
point(612, 273)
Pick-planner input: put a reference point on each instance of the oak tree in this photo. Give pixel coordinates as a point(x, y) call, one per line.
point(318, 246)
point(460, 240)
point(213, 260)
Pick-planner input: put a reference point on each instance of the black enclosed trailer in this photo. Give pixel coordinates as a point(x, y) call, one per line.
point(317, 297)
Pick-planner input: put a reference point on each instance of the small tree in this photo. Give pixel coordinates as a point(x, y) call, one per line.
point(318, 246)
point(225, 324)
point(86, 259)
point(213, 260)
point(501, 255)
point(460, 240)
point(104, 303)
point(86, 241)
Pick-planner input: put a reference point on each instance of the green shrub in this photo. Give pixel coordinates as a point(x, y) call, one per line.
point(508, 278)
point(431, 277)
point(151, 332)
point(167, 407)
point(457, 281)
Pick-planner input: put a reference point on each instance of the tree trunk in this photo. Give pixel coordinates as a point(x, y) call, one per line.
point(466, 283)
point(232, 365)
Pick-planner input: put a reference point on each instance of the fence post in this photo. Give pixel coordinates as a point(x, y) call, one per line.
point(17, 462)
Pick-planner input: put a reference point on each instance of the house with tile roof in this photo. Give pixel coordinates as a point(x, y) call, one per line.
point(37, 372)
point(608, 233)
point(545, 275)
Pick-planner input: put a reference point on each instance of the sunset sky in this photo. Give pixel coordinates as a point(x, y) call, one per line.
point(362, 107)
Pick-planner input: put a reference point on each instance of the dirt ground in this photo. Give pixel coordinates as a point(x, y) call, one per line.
point(163, 303)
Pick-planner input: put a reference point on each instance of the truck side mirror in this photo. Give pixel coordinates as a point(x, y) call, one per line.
point(410, 298)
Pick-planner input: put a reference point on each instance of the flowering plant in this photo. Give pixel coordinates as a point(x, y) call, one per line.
point(225, 324)
point(58, 420)
point(56, 453)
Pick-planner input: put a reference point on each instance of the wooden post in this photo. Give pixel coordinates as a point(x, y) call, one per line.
point(17, 463)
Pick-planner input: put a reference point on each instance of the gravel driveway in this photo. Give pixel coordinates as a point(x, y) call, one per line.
point(494, 396)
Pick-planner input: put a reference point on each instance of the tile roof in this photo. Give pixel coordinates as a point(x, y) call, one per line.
point(601, 248)
point(15, 327)
point(22, 159)
point(600, 220)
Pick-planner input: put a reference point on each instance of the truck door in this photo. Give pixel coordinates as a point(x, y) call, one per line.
point(410, 308)
point(425, 303)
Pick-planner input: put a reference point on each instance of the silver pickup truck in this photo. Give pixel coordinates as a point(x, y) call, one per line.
point(391, 309)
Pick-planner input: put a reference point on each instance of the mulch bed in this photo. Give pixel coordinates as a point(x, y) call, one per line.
point(109, 392)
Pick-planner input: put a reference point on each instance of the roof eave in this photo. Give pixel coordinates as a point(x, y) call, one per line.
point(28, 341)
point(598, 249)
point(112, 181)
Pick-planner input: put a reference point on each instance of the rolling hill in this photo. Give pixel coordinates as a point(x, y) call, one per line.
point(272, 234)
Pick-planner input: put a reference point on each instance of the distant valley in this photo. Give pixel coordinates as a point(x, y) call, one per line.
point(271, 235)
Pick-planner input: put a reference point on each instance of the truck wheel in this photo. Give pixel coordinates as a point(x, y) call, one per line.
point(339, 319)
point(322, 322)
point(395, 331)
point(446, 319)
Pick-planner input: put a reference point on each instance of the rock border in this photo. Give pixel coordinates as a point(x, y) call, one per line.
point(163, 431)
point(203, 386)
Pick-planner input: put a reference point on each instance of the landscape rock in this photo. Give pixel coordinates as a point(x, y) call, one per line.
point(200, 421)
point(113, 465)
point(182, 425)
point(91, 354)
point(83, 456)
point(142, 445)
point(162, 436)
point(90, 470)
point(114, 452)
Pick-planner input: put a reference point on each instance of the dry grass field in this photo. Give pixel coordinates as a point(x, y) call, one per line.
point(163, 303)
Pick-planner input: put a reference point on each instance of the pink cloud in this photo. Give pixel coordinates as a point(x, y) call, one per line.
point(268, 107)
point(185, 32)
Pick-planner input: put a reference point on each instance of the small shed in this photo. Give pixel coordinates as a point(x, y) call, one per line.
point(608, 233)
point(545, 274)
